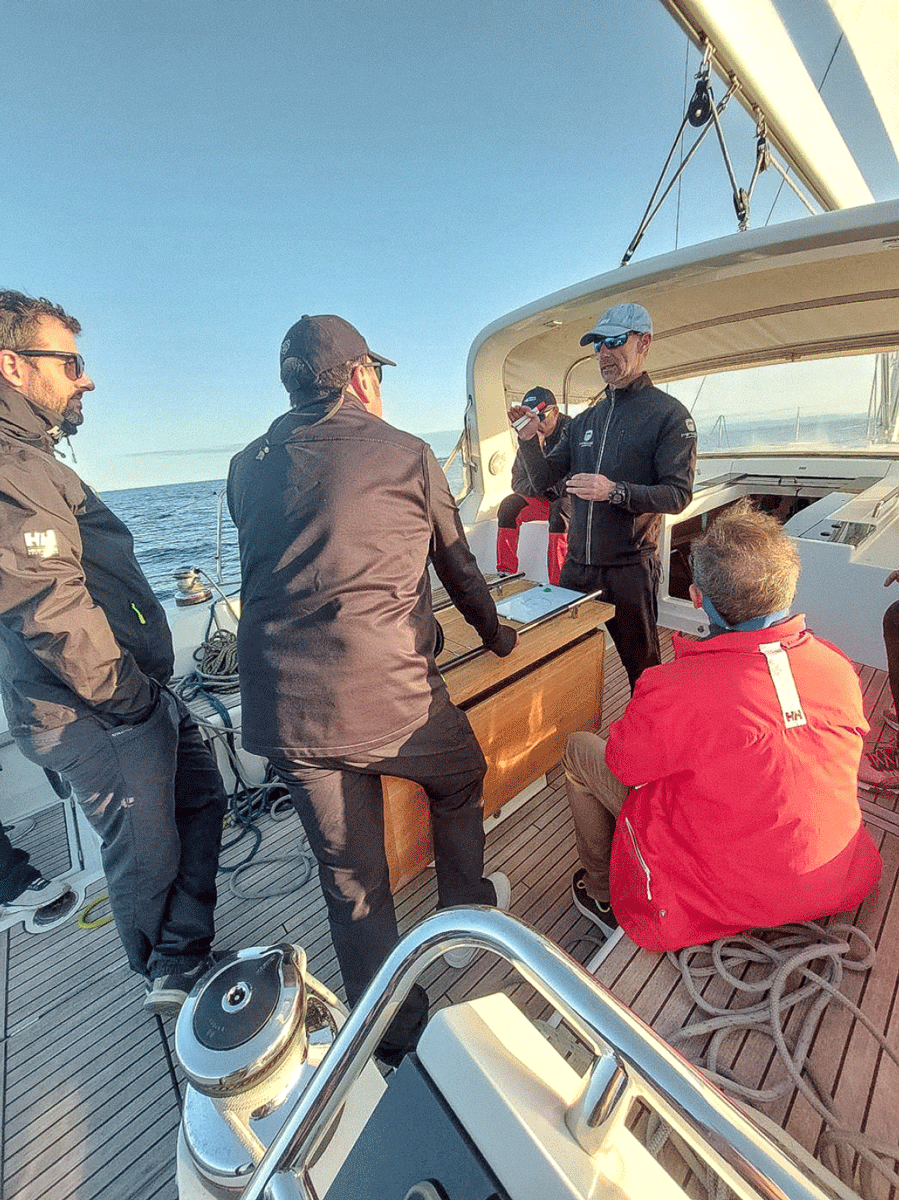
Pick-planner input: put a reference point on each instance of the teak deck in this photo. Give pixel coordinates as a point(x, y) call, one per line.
point(88, 1110)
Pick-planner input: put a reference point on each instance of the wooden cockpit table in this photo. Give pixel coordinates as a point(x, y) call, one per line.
point(522, 709)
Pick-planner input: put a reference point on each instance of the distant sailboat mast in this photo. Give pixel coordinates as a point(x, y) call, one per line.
point(883, 407)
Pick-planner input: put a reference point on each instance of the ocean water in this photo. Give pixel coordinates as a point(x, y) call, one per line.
point(175, 526)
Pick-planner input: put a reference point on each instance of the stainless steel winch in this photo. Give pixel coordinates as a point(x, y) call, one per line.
point(249, 1037)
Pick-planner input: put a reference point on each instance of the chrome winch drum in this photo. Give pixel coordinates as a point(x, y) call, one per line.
point(249, 1037)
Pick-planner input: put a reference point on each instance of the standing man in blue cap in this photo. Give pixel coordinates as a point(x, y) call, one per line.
point(630, 458)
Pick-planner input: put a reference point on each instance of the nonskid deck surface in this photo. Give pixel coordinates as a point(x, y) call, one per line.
point(88, 1108)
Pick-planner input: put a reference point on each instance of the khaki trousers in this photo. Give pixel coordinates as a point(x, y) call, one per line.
point(595, 796)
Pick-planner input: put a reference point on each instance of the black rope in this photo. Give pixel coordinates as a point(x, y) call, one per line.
point(167, 1053)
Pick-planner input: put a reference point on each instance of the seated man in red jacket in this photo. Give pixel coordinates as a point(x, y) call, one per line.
point(725, 798)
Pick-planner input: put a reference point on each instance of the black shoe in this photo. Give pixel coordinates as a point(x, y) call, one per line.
point(167, 993)
point(600, 914)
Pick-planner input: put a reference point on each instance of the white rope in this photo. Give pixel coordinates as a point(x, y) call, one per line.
point(791, 953)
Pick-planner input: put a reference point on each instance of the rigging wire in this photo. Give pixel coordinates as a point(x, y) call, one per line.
point(680, 179)
point(702, 111)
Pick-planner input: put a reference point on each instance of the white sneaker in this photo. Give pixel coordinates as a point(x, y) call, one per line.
point(503, 890)
point(38, 894)
point(464, 954)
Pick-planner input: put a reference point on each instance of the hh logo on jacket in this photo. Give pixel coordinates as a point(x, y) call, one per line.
point(42, 545)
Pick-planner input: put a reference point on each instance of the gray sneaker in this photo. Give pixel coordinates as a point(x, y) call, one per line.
point(464, 954)
point(167, 993)
point(37, 895)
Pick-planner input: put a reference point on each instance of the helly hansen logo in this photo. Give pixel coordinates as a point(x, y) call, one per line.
point(43, 544)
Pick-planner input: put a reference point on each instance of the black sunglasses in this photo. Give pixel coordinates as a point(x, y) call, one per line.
point(73, 361)
point(378, 369)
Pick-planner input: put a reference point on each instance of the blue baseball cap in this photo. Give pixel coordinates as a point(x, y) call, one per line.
point(621, 318)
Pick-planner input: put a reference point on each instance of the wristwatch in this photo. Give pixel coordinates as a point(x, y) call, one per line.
point(618, 494)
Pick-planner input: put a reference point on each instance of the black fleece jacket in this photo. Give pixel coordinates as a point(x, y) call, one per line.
point(521, 479)
point(641, 438)
point(337, 514)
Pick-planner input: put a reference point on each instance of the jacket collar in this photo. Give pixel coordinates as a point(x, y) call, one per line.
point(296, 419)
point(635, 386)
point(27, 422)
point(789, 633)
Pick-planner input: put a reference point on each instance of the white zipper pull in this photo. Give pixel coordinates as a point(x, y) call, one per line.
point(640, 859)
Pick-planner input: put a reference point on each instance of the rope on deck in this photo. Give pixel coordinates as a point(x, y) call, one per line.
point(802, 965)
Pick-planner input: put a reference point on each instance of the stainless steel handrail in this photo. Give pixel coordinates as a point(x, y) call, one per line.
point(883, 502)
point(492, 584)
point(703, 1116)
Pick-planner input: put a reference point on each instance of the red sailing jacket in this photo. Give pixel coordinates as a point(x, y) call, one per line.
point(744, 812)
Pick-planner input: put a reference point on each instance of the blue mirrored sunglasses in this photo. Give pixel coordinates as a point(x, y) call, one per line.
point(610, 343)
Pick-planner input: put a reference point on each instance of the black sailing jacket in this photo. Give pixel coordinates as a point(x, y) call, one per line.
point(81, 633)
point(638, 436)
point(521, 480)
point(337, 514)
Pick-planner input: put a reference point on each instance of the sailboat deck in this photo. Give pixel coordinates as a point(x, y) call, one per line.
point(88, 1107)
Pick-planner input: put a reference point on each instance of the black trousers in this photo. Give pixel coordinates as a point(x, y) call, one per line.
point(16, 872)
point(341, 805)
point(154, 795)
point(633, 589)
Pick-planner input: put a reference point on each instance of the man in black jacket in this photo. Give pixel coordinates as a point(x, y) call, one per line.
point(552, 506)
point(629, 459)
point(337, 514)
point(85, 654)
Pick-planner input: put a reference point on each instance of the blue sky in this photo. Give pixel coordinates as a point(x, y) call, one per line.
point(188, 178)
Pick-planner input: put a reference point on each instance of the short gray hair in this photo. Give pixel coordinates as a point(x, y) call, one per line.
point(745, 563)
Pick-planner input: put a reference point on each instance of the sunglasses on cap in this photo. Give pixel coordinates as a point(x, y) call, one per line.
point(610, 343)
point(73, 363)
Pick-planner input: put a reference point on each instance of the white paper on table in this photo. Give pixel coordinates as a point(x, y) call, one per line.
point(536, 603)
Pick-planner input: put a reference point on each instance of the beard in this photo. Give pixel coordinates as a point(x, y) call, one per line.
point(71, 419)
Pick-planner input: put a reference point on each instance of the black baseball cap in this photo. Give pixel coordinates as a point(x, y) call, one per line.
point(316, 344)
point(539, 398)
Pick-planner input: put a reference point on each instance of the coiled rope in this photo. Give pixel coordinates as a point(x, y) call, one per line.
point(217, 660)
point(815, 958)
